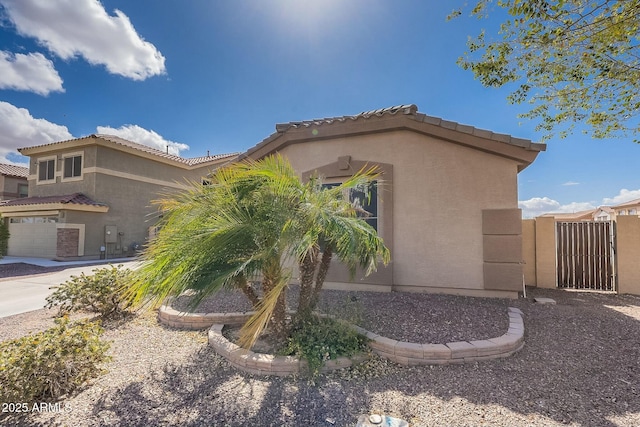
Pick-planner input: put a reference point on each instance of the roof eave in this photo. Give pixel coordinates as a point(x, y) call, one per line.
point(53, 207)
point(520, 150)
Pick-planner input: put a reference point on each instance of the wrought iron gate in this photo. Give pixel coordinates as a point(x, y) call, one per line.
point(585, 254)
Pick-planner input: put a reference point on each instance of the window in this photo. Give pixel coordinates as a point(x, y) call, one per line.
point(23, 190)
point(47, 170)
point(72, 167)
point(367, 199)
point(34, 220)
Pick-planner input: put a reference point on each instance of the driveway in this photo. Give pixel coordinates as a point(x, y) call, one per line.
point(21, 294)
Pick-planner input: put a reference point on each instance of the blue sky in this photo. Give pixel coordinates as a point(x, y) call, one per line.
point(218, 75)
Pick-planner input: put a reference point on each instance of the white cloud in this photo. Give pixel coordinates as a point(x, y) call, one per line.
point(623, 196)
point(18, 128)
point(143, 136)
point(72, 28)
point(537, 206)
point(32, 72)
point(571, 183)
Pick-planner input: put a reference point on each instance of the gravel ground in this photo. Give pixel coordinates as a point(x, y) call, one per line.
point(580, 366)
point(401, 316)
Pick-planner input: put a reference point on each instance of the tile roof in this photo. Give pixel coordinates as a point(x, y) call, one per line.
point(144, 148)
point(188, 161)
point(72, 199)
point(407, 110)
point(13, 170)
point(629, 203)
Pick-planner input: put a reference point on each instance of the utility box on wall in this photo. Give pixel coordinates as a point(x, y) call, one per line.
point(110, 234)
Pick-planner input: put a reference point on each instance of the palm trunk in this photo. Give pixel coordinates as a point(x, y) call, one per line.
point(307, 273)
point(247, 290)
point(325, 263)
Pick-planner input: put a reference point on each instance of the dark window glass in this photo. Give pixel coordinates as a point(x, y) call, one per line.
point(369, 204)
point(23, 190)
point(72, 166)
point(46, 170)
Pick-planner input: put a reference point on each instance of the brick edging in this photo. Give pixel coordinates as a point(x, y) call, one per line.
point(412, 354)
point(401, 352)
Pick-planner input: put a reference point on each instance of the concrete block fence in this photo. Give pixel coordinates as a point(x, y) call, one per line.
point(401, 352)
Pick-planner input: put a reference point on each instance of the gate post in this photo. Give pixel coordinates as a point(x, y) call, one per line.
point(628, 254)
point(546, 252)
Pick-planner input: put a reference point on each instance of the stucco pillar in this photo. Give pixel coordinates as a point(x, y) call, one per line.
point(545, 252)
point(529, 251)
point(628, 254)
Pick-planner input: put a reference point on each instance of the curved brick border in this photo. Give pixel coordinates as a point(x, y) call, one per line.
point(411, 354)
point(401, 352)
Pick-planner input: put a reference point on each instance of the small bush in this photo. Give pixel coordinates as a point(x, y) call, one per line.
point(102, 293)
point(52, 363)
point(320, 339)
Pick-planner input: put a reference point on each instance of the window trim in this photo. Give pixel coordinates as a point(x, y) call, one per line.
point(39, 161)
point(342, 169)
point(69, 156)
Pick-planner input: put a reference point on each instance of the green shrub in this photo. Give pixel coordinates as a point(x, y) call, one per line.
point(102, 293)
point(320, 339)
point(52, 363)
point(4, 237)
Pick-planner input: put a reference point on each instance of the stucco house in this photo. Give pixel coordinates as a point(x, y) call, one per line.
point(601, 213)
point(91, 197)
point(447, 203)
point(13, 181)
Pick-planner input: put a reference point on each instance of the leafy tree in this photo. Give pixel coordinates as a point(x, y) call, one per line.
point(575, 61)
point(257, 221)
point(4, 237)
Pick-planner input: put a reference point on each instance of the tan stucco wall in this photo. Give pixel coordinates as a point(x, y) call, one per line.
point(9, 186)
point(117, 162)
point(439, 192)
point(545, 242)
point(628, 253)
point(529, 251)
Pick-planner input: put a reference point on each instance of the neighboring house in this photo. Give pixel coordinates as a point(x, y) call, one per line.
point(447, 202)
point(573, 216)
point(628, 208)
point(92, 197)
point(13, 181)
point(601, 213)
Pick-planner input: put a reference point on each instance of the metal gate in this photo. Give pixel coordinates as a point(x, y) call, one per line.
point(585, 254)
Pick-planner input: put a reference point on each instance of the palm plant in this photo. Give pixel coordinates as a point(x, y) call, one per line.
point(255, 222)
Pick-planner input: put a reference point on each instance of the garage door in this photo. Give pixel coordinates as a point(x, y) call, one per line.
point(33, 240)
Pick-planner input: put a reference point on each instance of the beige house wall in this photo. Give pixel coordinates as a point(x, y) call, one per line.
point(9, 186)
point(439, 192)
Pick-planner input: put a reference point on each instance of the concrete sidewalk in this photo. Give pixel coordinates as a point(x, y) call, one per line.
point(28, 293)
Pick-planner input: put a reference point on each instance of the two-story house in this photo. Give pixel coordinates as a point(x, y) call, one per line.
point(91, 197)
point(13, 181)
